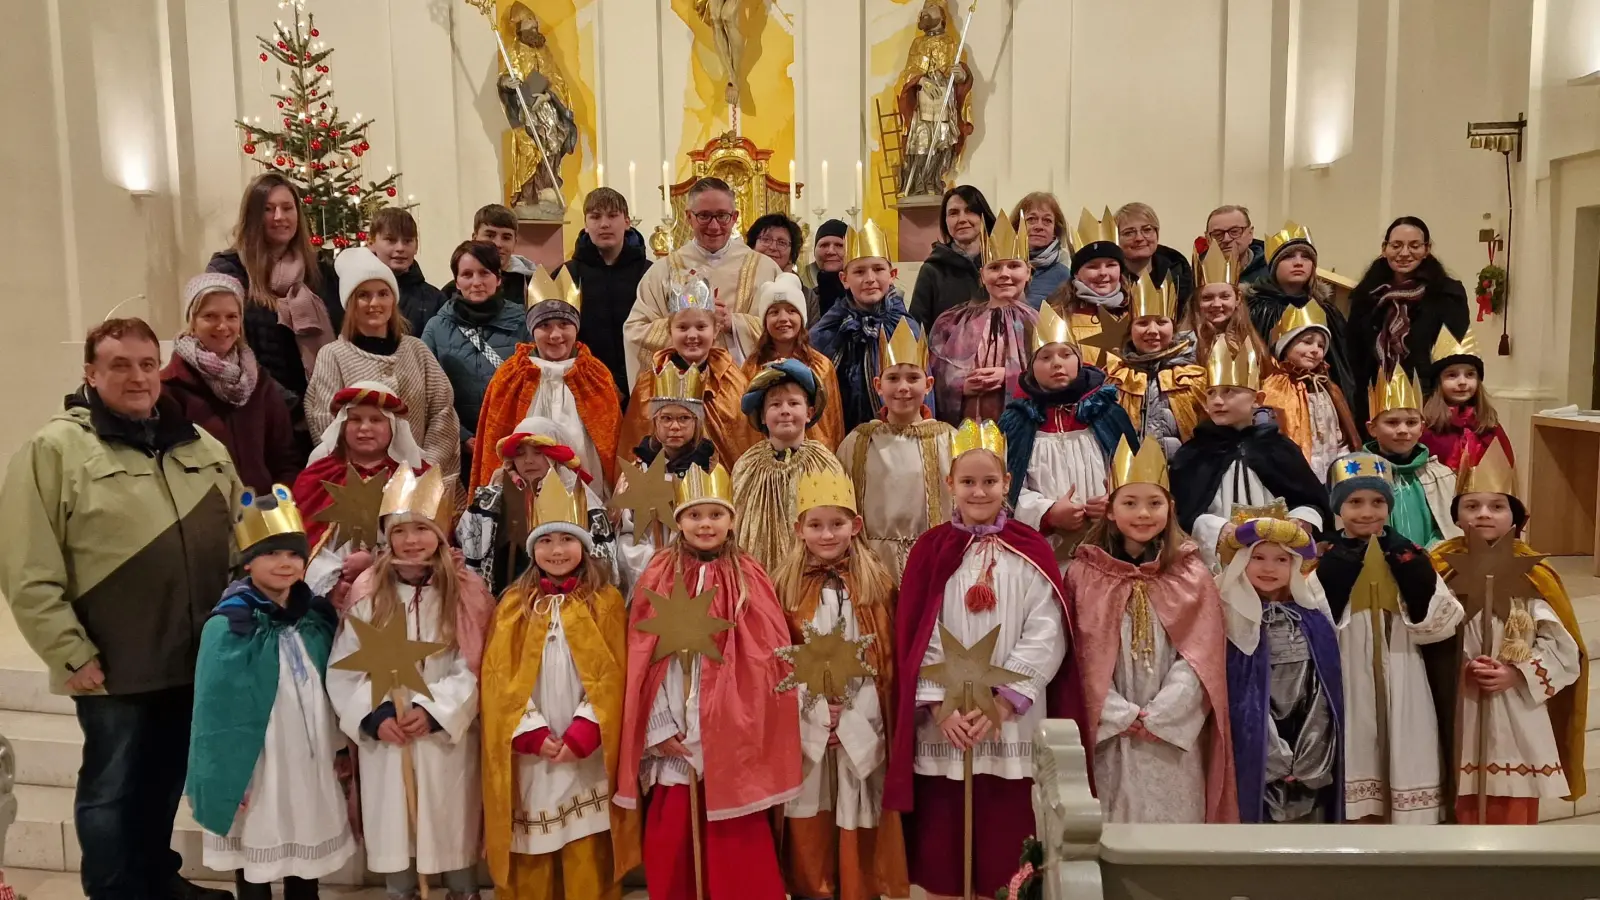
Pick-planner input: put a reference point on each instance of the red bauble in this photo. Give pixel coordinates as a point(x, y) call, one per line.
point(280, 160)
point(263, 57)
point(316, 240)
point(357, 151)
point(316, 145)
point(315, 33)
point(361, 235)
point(282, 46)
point(313, 92)
point(287, 121)
point(391, 192)
point(249, 147)
point(333, 132)
point(306, 57)
point(355, 188)
point(365, 146)
point(322, 106)
point(341, 242)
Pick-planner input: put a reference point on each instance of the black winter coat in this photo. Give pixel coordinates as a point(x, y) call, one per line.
point(419, 300)
point(947, 278)
point(608, 294)
point(274, 344)
point(1443, 306)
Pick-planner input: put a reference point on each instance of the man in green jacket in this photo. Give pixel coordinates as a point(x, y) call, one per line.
point(116, 521)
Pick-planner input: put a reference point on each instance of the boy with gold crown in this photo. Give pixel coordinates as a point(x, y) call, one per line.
point(1233, 462)
point(899, 462)
point(1097, 296)
point(1533, 676)
point(1287, 284)
point(1309, 404)
point(1158, 382)
point(556, 377)
point(982, 573)
point(1151, 647)
point(261, 778)
point(415, 578)
point(1060, 435)
point(851, 332)
point(1423, 486)
point(838, 842)
point(979, 349)
point(552, 689)
point(709, 744)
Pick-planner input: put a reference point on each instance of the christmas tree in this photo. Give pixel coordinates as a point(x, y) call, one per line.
point(317, 150)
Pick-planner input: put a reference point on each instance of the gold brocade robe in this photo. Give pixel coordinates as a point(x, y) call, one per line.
point(1288, 396)
point(829, 430)
point(725, 425)
point(764, 493)
point(1183, 385)
point(1084, 325)
point(598, 640)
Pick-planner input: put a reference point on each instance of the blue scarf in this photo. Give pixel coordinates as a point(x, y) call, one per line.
point(848, 335)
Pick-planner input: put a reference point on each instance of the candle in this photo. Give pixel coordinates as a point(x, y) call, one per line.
point(633, 182)
point(794, 193)
point(666, 179)
point(600, 174)
point(824, 186)
point(861, 191)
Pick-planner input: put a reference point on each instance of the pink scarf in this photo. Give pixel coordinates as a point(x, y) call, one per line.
point(300, 310)
point(232, 378)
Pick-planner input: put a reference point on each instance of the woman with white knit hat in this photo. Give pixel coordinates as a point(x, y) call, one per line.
point(780, 307)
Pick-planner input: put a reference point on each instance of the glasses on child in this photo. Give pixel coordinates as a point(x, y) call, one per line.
point(706, 218)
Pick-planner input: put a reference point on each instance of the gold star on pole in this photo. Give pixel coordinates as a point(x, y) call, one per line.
point(649, 495)
point(825, 663)
point(354, 511)
point(1375, 587)
point(965, 667)
point(1113, 334)
point(388, 657)
point(1483, 560)
point(683, 624)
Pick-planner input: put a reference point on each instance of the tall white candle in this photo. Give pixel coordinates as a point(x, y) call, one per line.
point(600, 174)
point(633, 182)
point(793, 192)
point(861, 190)
point(666, 179)
point(824, 187)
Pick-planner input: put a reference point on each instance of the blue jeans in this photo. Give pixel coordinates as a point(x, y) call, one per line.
point(135, 757)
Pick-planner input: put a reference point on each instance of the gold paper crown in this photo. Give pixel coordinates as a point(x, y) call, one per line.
point(541, 287)
point(556, 504)
point(1004, 242)
point(974, 435)
point(1493, 474)
point(1148, 466)
point(1296, 318)
point(259, 521)
point(1290, 232)
point(1447, 346)
point(694, 293)
point(1398, 390)
point(1090, 230)
point(674, 385)
point(824, 489)
point(1228, 367)
point(1277, 509)
point(905, 346)
point(1051, 329)
point(427, 496)
point(699, 486)
point(1216, 267)
point(865, 242)
point(1360, 465)
point(1149, 300)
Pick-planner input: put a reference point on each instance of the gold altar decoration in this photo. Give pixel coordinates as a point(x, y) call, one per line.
point(745, 167)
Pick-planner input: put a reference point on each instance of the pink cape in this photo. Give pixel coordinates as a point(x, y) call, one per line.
point(1186, 601)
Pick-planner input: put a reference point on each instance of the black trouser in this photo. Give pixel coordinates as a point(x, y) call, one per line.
point(135, 757)
point(293, 888)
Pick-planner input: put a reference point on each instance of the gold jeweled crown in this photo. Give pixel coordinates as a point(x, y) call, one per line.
point(975, 435)
point(427, 496)
point(556, 504)
point(1493, 474)
point(1148, 300)
point(1216, 267)
point(694, 293)
point(1227, 367)
point(1396, 390)
point(699, 486)
point(674, 385)
point(1091, 230)
point(1291, 232)
point(1004, 242)
point(1148, 466)
point(1051, 329)
point(1360, 465)
point(257, 521)
point(1447, 346)
point(1296, 318)
point(824, 489)
point(905, 346)
point(541, 287)
point(865, 242)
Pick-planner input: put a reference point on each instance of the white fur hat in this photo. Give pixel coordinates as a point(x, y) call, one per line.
point(357, 266)
point(786, 288)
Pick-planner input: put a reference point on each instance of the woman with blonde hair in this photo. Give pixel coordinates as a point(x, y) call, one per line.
point(1046, 226)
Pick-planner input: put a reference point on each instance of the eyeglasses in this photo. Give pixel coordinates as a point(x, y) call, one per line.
point(776, 243)
point(706, 218)
point(1413, 246)
point(1145, 230)
point(1231, 234)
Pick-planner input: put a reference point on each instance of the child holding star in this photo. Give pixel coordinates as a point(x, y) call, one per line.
point(713, 721)
point(1534, 672)
point(838, 842)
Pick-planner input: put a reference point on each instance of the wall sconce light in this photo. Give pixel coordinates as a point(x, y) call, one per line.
point(1499, 137)
point(140, 193)
point(1320, 168)
point(1592, 78)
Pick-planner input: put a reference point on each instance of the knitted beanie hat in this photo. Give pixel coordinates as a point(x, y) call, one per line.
point(1097, 250)
point(357, 266)
point(785, 288)
point(209, 283)
point(832, 228)
point(1359, 471)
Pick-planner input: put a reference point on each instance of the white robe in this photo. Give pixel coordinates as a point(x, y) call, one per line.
point(1141, 781)
point(294, 820)
point(847, 779)
point(1032, 643)
point(449, 786)
point(1240, 487)
point(558, 803)
point(1522, 745)
point(1413, 728)
point(895, 487)
point(554, 400)
point(1327, 438)
point(1061, 462)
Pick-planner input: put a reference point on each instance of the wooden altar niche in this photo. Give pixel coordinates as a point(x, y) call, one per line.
point(743, 165)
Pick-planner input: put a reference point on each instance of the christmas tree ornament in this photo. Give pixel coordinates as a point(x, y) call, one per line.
point(391, 192)
point(249, 147)
point(263, 57)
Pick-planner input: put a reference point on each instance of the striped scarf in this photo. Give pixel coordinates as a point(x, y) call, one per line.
point(1394, 304)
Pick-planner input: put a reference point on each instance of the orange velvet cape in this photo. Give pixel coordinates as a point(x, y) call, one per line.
point(511, 392)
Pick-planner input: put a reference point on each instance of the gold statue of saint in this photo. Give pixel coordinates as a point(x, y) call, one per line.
point(539, 110)
point(936, 125)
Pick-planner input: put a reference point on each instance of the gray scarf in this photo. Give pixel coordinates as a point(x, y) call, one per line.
point(1085, 293)
point(1046, 256)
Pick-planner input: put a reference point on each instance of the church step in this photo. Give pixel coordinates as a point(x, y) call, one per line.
point(48, 746)
point(27, 689)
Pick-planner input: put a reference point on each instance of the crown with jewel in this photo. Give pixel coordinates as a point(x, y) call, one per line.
point(905, 346)
point(699, 486)
point(1361, 465)
point(1270, 523)
point(1004, 242)
point(409, 497)
point(1091, 230)
point(1227, 367)
point(1394, 390)
point(866, 242)
point(1299, 318)
point(1147, 300)
point(674, 385)
point(1493, 474)
point(266, 515)
point(1290, 232)
point(1052, 328)
point(560, 289)
point(694, 293)
point(824, 488)
point(1447, 346)
point(555, 505)
point(1148, 466)
point(1216, 267)
point(975, 435)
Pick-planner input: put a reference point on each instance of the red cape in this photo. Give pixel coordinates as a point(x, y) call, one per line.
point(934, 559)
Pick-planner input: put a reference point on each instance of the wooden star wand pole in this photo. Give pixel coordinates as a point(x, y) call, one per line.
point(408, 776)
point(966, 805)
point(1486, 640)
point(686, 659)
point(1380, 691)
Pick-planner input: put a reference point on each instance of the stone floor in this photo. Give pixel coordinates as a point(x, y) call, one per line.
point(37, 885)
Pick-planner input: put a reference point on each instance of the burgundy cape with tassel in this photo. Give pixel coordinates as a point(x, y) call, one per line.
point(934, 559)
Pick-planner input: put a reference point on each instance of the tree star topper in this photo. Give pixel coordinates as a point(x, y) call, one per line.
point(1470, 571)
point(354, 510)
point(649, 495)
point(388, 657)
point(965, 665)
point(825, 663)
point(683, 624)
